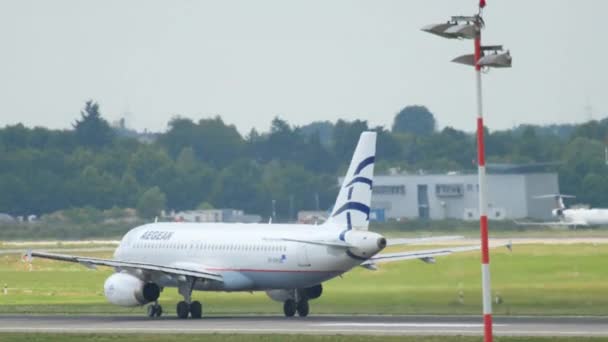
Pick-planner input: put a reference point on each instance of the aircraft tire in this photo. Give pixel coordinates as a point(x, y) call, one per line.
point(151, 311)
point(196, 309)
point(303, 308)
point(183, 309)
point(154, 310)
point(289, 308)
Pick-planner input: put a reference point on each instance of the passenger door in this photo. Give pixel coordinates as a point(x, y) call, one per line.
point(302, 251)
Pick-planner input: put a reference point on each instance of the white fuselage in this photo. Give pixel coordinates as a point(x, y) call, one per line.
point(247, 256)
point(582, 216)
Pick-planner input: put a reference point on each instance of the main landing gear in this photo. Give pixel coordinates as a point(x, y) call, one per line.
point(290, 307)
point(194, 309)
point(187, 306)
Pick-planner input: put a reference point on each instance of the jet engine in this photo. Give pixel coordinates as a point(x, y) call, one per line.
point(125, 289)
point(558, 212)
point(366, 243)
point(312, 292)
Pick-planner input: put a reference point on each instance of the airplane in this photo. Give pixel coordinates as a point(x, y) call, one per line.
point(287, 261)
point(572, 217)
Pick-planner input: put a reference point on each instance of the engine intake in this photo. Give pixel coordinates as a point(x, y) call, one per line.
point(125, 289)
point(313, 292)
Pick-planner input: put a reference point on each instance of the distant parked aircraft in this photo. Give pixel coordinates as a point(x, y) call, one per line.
point(289, 262)
point(572, 217)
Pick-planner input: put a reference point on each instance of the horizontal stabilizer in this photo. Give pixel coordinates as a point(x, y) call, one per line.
point(551, 223)
point(427, 256)
point(332, 243)
point(418, 241)
point(554, 196)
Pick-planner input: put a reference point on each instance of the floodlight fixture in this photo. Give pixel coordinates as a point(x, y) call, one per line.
point(465, 31)
point(439, 29)
point(461, 27)
point(496, 60)
point(465, 59)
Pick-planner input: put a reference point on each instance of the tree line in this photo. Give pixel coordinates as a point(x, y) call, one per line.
point(208, 163)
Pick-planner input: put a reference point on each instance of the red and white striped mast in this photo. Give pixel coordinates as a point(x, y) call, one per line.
point(483, 205)
point(463, 27)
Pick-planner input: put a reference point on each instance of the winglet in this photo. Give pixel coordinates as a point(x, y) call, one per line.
point(369, 266)
point(428, 260)
point(27, 257)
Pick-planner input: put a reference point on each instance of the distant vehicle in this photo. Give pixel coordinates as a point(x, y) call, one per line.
point(572, 217)
point(289, 262)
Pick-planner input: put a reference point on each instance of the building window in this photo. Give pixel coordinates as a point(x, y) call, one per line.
point(391, 190)
point(449, 190)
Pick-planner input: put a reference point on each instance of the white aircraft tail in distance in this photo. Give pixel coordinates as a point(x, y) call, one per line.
point(287, 261)
point(571, 217)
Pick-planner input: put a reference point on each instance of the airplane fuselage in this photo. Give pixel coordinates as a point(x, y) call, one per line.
point(585, 217)
point(248, 256)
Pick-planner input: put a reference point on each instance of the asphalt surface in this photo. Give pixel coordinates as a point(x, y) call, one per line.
point(324, 325)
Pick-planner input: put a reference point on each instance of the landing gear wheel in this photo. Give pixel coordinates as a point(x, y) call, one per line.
point(183, 309)
point(303, 308)
point(154, 310)
point(289, 308)
point(196, 309)
point(151, 311)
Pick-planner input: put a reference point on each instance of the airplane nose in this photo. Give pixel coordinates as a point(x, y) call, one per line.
point(381, 242)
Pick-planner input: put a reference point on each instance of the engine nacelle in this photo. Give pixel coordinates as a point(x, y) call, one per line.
point(312, 292)
point(280, 295)
point(366, 243)
point(125, 289)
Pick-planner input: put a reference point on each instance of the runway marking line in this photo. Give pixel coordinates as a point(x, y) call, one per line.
point(408, 325)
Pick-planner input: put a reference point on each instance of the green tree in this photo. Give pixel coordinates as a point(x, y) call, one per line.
point(387, 146)
point(92, 130)
point(213, 141)
point(529, 145)
point(416, 120)
point(205, 206)
point(346, 135)
point(151, 202)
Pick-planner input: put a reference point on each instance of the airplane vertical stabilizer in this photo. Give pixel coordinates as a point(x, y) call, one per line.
point(352, 207)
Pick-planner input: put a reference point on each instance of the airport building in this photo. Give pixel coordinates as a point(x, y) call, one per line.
point(455, 196)
point(213, 215)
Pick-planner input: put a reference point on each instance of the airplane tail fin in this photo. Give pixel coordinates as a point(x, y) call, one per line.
point(352, 206)
point(559, 199)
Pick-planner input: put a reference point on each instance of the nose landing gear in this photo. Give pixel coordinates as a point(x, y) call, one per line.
point(155, 310)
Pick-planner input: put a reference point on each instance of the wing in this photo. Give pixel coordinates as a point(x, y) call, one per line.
point(554, 223)
point(406, 241)
point(427, 255)
point(182, 270)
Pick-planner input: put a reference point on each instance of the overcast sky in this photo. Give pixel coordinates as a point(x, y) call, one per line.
point(249, 61)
